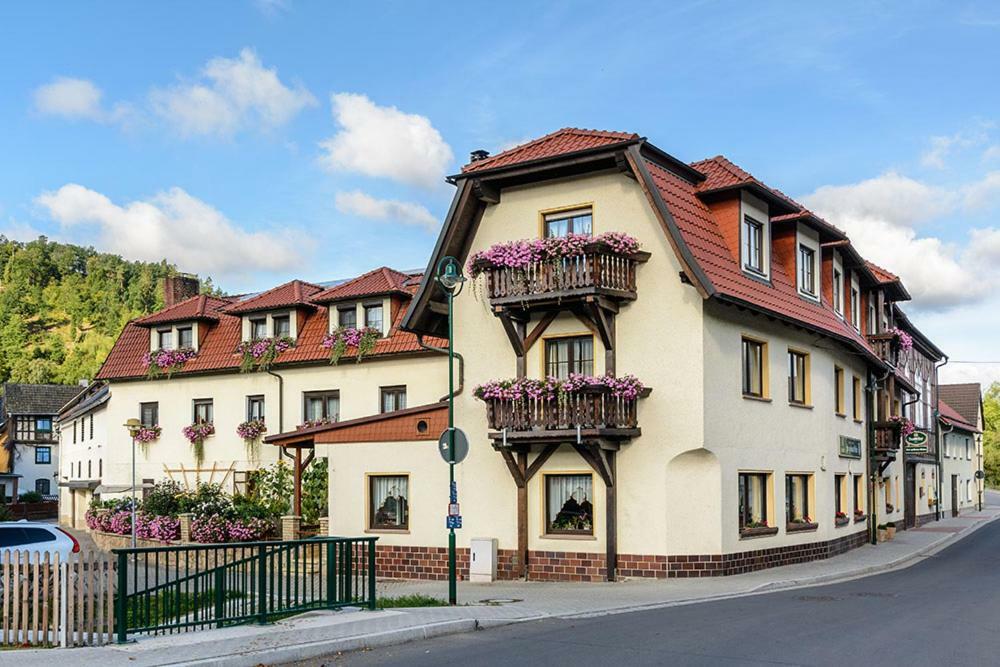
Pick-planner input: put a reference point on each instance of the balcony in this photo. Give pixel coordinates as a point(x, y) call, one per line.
point(886, 346)
point(597, 272)
point(591, 413)
point(887, 437)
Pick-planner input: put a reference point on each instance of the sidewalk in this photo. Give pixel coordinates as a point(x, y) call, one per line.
point(490, 605)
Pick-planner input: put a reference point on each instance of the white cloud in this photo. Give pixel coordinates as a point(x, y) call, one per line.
point(991, 153)
point(77, 99)
point(234, 94)
point(943, 146)
point(386, 210)
point(172, 225)
point(271, 8)
point(983, 194)
point(879, 215)
point(385, 142)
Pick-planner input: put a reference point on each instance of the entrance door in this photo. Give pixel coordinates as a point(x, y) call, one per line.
point(910, 493)
point(954, 495)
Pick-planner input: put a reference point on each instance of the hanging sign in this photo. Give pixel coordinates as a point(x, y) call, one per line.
point(850, 448)
point(916, 439)
point(461, 446)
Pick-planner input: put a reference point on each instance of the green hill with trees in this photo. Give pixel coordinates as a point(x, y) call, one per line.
point(62, 306)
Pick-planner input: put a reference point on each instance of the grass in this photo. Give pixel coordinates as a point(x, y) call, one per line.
point(170, 605)
point(416, 600)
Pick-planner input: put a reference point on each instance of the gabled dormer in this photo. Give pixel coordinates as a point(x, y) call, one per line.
point(277, 313)
point(372, 300)
point(184, 325)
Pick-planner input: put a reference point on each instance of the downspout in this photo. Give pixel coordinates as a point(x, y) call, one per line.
point(461, 364)
point(281, 409)
point(937, 433)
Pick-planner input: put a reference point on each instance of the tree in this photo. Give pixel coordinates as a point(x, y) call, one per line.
point(991, 435)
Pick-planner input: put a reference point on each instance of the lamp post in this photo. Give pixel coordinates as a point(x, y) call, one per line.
point(450, 278)
point(133, 425)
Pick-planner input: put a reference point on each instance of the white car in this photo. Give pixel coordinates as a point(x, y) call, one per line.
point(30, 536)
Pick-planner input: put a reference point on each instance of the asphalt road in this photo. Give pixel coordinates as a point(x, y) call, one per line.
point(944, 610)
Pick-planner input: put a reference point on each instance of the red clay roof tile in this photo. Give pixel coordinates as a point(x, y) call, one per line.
point(560, 142)
point(382, 280)
point(950, 415)
point(292, 293)
point(200, 307)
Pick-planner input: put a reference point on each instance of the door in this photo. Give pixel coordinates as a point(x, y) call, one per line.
point(954, 495)
point(909, 493)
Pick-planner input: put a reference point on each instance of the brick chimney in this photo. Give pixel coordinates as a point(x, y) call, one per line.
point(179, 287)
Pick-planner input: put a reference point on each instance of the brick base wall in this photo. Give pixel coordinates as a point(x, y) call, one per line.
point(405, 562)
point(922, 519)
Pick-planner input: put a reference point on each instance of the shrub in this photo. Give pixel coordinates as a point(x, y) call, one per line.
point(273, 488)
point(315, 491)
point(163, 499)
point(207, 500)
point(30, 497)
point(5, 514)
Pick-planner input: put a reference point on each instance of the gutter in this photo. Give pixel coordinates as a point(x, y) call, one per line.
point(461, 365)
point(281, 408)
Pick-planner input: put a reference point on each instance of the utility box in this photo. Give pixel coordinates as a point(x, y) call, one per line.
point(483, 559)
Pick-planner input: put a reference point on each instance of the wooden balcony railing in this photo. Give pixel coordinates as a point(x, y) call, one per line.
point(597, 271)
point(886, 346)
point(887, 436)
point(592, 408)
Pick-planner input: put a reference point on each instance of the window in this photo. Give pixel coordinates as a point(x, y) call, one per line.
point(149, 414)
point(838, 291)
point(797, 499)
point(282, 325)
point(347, 317)
point(204, 411)
point(389, 505)
point(754, 368)
point(43, 425)
point(185, 337)
point(43, 455)
point(855, 308)
point(91, 427)
point(807, 270)
point(258, 328)
point(839, 486)
point(798, 380)
point(887, 485)
point(100, 467)
point(74, 431)
point(753, 499)
point(90, 469)
point(12, 535)
point(569, 355)
point(164, 339)
point(580, 221)
point(856, 382)
point(568, 507)
point(968, 489)
point(753, 245)
point(872, 319)
point(43, 486)
point(859, 494)
point(373, 316)
point(838, 382)
point(255, 407)
point(321, 405)
point(392, 398)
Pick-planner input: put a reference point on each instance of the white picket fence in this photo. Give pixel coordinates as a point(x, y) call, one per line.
point(47, 601)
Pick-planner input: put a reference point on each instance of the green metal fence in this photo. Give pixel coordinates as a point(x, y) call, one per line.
point(164, 590)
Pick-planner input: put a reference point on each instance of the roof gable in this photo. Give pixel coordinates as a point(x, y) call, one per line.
point(964, 398)
point(951, 417)
point(561, 142)
point(293, 293)
point(382, 280)
point(37, 399)
point(201, 307)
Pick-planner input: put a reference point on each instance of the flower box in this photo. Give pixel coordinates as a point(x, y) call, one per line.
point(166, 362)
point(260, 353)
point(841, 519)
point(758, 531)
point(344, 338)
point(800, 526)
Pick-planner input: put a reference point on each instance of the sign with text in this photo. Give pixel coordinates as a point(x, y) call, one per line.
point(850, 448)
point(916, 439)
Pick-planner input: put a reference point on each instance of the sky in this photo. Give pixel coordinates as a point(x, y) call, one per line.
point(256, 141)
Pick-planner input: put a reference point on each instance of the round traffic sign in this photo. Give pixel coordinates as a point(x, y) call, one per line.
point(461, 449)
point(980, 474)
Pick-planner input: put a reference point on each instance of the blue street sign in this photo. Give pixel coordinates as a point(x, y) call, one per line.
point(453, 522)
point(454, 492)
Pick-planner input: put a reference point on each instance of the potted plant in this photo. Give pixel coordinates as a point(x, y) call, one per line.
point(883, 534)
point(890, 529)
point(889, 508)
point(859, 515)
point(840, 519)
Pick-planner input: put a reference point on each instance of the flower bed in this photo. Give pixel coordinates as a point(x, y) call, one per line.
point(218, 529)
point(259, 354)
point(119, 522)
point(338, 342)
point(166, 362)
point(520, 254)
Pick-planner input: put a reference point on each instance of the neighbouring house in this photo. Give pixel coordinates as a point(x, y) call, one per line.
point(962, 425)
point(83, 433)
point(671, 370)
point(30, 461)
point(209, 376)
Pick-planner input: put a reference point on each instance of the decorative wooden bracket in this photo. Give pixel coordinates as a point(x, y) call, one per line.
point(598, 460)
point(486, 192)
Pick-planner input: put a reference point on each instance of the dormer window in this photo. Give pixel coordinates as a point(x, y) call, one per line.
point(373, 316)
point(576, 221)
point(872, 317)
point(838, 292)
point(347, 317)
point(855, 306)
point(753, 245)
point(807, 270)
point(258, 328)
point(165, 339)
point(282, 326)
point(185, 337)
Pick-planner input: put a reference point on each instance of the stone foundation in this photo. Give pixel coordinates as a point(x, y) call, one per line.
point(405, 562)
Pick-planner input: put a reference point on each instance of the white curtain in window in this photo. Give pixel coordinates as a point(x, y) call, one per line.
point(390, 498)
point(563, 487)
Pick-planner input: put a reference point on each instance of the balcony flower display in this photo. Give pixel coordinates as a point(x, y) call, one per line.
point(905, 340)
point(840, 519)
point(251, 431)
point(627, 387)
point(166, 362)
point(196, 434)
point(260, 353)
point(309, 423)
point(520, 254)
point(146, 435)
point(363, 340)
point(906, 427)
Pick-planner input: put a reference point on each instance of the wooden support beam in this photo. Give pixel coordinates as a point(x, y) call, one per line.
point(486, 192)
point(298, 481)
point(510, 327)
point(611, 521)
point(539, 329)
point(522, 516)
point(539, 461)
point(512, 466)
point(605, 324)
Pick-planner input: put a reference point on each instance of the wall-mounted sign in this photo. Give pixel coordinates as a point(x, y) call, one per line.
point(850, 448)
point(916, 439)
point(980, 474)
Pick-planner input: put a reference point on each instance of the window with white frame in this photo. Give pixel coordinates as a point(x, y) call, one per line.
point(855, 302)
point(561, 223)
point(807, 270)
point(838, 291)
point(753, 245)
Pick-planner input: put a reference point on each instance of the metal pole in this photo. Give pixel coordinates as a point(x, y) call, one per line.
point(452, 585)
point(133, 490)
